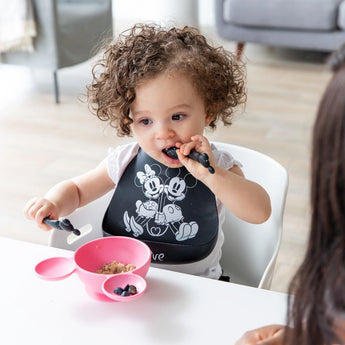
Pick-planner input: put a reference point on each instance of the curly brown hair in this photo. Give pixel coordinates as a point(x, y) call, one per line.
point(147, 50)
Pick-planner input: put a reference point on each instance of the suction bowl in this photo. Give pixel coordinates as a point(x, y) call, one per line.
point(92, 256)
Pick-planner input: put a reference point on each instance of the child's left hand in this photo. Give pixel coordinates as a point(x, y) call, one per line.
point(200, 144)
point(244, 198)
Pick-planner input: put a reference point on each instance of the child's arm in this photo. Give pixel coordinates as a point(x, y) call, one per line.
point(67, 196)
point(246, 199)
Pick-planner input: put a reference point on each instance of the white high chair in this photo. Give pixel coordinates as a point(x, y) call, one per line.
point(249, 251)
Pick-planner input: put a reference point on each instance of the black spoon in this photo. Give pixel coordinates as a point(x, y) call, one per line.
point(63, 224)
point(202, 158)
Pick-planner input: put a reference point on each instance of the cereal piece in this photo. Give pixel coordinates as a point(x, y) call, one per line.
point(115, 268)
point(130, 267)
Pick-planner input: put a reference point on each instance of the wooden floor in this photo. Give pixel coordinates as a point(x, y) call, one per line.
point(42, 143)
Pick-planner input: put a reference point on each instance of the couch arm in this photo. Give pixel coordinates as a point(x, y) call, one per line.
point(341, 16)
point(219, 12)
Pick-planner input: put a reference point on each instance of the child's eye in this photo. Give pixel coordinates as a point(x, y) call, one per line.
point(178, 117)
point(146, 122)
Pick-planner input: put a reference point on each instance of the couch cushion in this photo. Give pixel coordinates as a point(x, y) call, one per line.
point(285, 14)
point(341, 16)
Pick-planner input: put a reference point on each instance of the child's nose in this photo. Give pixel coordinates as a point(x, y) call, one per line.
point(164, 132)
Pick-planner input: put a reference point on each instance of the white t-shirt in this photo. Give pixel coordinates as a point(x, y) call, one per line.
point(118, 160)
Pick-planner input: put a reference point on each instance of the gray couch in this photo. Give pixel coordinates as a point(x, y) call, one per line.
point(302, 24)
point(68, 31)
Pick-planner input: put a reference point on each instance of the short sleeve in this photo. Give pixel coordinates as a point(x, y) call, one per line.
point(119, 158)
point(224, 158)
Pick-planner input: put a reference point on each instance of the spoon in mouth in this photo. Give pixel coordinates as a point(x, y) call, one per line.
point(202, 158)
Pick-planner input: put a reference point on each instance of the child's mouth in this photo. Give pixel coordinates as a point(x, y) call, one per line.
point(171, 152)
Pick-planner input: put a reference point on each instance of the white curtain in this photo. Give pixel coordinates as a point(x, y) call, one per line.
point(17, 25)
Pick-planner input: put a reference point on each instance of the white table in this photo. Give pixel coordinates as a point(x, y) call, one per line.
point(175, 309)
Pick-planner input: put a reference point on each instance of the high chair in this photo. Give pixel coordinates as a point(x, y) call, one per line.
point(249, 252)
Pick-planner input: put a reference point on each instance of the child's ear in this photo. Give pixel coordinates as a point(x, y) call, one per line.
point(209, 117)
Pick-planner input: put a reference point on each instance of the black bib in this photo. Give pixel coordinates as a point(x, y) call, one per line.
point(167, 208)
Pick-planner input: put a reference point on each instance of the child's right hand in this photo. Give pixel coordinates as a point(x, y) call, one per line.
point(39, 208)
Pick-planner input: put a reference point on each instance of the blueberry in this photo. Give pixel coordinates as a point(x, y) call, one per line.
point(124, 293)
point(118, 291)
point(126, 287)
point(132, 289)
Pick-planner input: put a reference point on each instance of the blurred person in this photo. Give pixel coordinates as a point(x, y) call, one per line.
point(316, 307)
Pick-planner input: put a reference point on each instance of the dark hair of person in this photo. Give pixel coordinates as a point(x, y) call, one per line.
point(145, 51)
point(317, 291)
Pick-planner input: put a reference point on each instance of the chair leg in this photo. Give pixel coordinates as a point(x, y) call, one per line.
point(56, 88)
point(239, 51)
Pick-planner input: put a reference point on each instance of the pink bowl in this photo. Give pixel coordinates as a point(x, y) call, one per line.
point(121, 280)
point(92, 256)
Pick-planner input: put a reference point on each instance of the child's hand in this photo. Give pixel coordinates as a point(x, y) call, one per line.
point(39, 208)
point(267, 335)
point(200, 144)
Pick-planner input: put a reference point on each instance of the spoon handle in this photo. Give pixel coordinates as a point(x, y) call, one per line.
point(202, 158)
point(63, 224)
point(52, 223)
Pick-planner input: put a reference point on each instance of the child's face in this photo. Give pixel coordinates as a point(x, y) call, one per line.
point(167, 110)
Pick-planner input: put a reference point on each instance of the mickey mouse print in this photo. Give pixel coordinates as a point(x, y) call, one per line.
point(170, 210)
point(156, 215)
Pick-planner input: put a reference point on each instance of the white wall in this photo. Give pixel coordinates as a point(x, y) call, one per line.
point(173, 12)
point(206, 13)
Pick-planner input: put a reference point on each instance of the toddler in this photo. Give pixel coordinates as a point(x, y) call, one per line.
point(164, 87)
